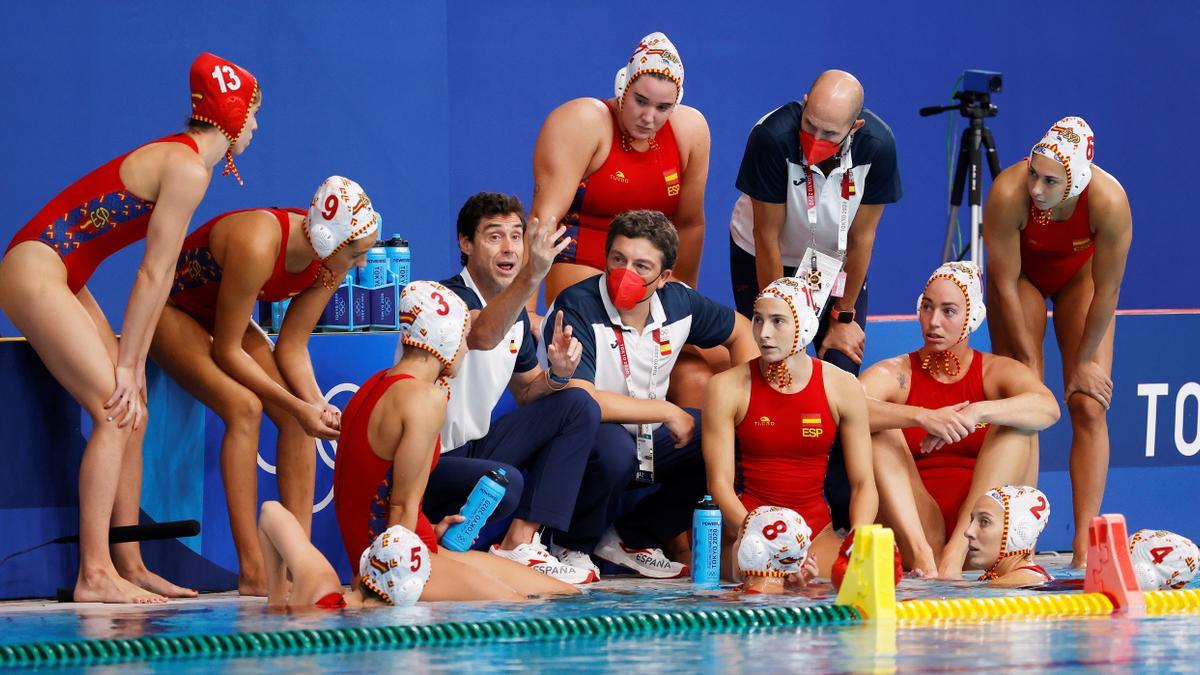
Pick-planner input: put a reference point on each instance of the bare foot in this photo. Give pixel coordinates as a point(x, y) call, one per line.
point(1079, 561)
point(110, 587)
point(925, 565)
point(156, 584)
point(252, 586)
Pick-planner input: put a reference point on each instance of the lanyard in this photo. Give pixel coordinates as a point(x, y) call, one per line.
point(848, 191)
point(619, 334)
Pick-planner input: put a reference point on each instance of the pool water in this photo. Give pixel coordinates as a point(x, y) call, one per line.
point(1165, 643)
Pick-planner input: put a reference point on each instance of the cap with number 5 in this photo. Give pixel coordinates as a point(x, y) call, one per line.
point(395, 566)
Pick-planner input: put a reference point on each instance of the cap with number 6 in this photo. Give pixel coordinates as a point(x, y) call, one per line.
point(395, 566)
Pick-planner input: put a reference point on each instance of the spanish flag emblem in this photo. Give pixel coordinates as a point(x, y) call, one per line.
point(671, 176)
point(810, 418)
point(664, 342)
point(512, 346)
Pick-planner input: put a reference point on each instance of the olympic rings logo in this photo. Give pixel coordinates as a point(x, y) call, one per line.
point(327, 454)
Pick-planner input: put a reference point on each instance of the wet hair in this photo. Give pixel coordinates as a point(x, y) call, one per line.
point(652, 225)
point(484, 205)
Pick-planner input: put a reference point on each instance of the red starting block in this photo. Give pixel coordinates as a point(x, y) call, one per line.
point(1109, 567)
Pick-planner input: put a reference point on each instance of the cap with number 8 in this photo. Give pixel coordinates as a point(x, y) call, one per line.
point(774, 542)
point(395, 566)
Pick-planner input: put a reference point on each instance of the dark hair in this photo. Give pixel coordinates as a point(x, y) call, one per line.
point(652, 225)
point(369, 593)
point(193, 124)
point(484, 205)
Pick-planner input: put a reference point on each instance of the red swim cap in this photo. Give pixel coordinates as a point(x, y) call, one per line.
point(222, 94)
point(843, 561)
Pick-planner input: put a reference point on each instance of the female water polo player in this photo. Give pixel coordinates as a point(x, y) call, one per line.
point(947, 422)
point(390, 443)
point(782, 413)
point(148, 193)
point(1058, 227)
point(208, 343)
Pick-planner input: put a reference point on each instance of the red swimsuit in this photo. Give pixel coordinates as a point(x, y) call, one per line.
point(628, 179)
point(783, 447)
point(1052, 252)
point(362, 481)
point(93, 218)
point(946, 472)
point(198, 276)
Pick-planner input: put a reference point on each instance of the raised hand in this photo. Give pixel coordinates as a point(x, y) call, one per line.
point(543, 243)
point(564, 350)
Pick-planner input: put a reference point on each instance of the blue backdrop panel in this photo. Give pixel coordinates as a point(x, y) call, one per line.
point(1152, 444)
point(357, 90)
point(427, 103)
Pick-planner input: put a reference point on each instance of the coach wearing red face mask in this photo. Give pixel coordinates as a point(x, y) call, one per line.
point(632, 325)
point(815, 177)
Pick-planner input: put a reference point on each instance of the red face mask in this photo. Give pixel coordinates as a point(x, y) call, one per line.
point(817, 151)
point(625, 288)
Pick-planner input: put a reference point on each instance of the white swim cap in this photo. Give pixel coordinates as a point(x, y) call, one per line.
point(433, 318)
point(775, 542)
point(1026, 511)
point(1162, 559)
point(654, 54)
point(799, 297)
point(1071, 143)
point(340, 213)
point(395, 566)
point(967, 277)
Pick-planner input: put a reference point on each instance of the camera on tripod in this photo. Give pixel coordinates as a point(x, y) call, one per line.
point(973, 101)
point(981, 82)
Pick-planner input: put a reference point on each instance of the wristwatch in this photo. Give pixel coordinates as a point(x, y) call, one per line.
point(841, 315)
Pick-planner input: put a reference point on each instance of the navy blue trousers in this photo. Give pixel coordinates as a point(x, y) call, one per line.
point(745, 290)
point(644, 516)
point(549, 440)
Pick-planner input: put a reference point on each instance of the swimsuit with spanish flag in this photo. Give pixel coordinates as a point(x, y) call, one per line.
point(1053, 251)
point(783, 447)
point(627, 180)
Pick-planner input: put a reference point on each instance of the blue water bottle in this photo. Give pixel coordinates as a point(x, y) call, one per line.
point(479, 507)
point(399, 259)
point(706, 544)
point(376, 268)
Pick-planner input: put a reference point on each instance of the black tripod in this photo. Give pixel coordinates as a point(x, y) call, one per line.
point(976, 139)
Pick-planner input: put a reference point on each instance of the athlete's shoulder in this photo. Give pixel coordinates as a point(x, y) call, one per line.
point(689, 122)
point(1106, 192)
point(582, 112)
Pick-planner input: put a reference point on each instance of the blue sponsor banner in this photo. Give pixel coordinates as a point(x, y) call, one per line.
point(1153, 424)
